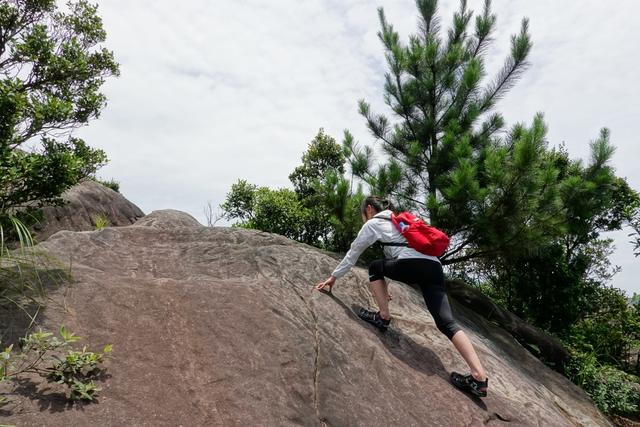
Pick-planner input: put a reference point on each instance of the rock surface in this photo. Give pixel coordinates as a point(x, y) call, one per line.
point(220, 327)
point(84, 203)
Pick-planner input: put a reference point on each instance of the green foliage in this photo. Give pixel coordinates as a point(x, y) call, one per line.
point(595, 199)
point(322, 188)
point(544, 288)
point(51, 69)
point(101, 221)
point(41, 353)
point(339, 206)
point(322, 211)
point(633, 213)
point(274, 211)
point(612, 390)
point(560, 282)
point(112, 184)
point(21, 231)
point(496, 193)
point(611, 332)
point(280, 211)
point(323, 154)
point(605, 346)
point(240, 201)
point(43, 176)
point(636, 241)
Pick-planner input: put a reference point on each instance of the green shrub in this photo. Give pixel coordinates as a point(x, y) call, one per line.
point(112, 184)
point(612, 390)
point(41, 354)
point(611, 332)
point(274, 211)
point(101, 221)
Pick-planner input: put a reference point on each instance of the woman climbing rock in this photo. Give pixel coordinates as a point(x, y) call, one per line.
point(407, 265)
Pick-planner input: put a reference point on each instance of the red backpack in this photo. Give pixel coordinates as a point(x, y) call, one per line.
point(420, 236)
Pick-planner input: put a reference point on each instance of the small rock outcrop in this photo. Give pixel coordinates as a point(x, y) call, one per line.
point(84, 203)
point(221, 327)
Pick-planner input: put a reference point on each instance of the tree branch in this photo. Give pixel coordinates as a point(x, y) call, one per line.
point(466, 257)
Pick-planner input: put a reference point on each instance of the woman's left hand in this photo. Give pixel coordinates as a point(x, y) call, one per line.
point(329, 282)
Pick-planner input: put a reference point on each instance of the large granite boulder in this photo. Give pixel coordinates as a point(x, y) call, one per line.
point(221, 327)
point(84, 203)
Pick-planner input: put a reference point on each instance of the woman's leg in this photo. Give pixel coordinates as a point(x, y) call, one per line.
point(379, 291)
point(386, 290)
point(429, 275)
point(435, 296)
point(463, 344)
point(379, 287)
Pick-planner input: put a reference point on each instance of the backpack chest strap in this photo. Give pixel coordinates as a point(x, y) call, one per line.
point(393, 244)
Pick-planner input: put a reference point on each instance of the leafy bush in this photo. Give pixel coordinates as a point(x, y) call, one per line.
point(112, 184)
point(612, 390)
point(323, 154)
point(41, 354)
point(611, 332)
point(274, 211)
point(323, 210)
point(22, 286)
point(101, 221)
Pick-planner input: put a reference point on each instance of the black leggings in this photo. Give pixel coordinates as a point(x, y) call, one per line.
point(427, 274)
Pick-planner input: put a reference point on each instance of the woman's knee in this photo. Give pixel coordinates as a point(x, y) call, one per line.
point(448, 328)
point(376, 270)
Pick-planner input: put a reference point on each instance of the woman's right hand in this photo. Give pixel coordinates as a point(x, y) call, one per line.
point(329, 282)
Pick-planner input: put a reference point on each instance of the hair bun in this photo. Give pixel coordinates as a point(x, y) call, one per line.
point(377, 204)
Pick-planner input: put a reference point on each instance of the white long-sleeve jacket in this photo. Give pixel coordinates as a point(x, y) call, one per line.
point(377, 228)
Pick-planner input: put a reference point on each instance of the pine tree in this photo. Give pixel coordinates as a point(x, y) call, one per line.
point(447, 154)
point(560, 284)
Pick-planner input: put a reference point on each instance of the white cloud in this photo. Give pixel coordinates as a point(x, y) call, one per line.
point(214, 91)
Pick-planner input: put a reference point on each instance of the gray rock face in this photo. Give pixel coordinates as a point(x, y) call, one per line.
point(220, 327)
point(168, 219)
point(84, 203)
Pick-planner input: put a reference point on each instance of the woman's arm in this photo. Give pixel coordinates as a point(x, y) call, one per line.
point(367, 236)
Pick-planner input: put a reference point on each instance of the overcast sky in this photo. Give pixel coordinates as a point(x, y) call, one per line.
point(214, 91)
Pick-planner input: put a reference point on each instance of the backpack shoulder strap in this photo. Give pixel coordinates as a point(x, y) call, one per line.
point(405, 244)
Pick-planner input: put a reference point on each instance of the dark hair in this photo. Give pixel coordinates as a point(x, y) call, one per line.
point(376, 203)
